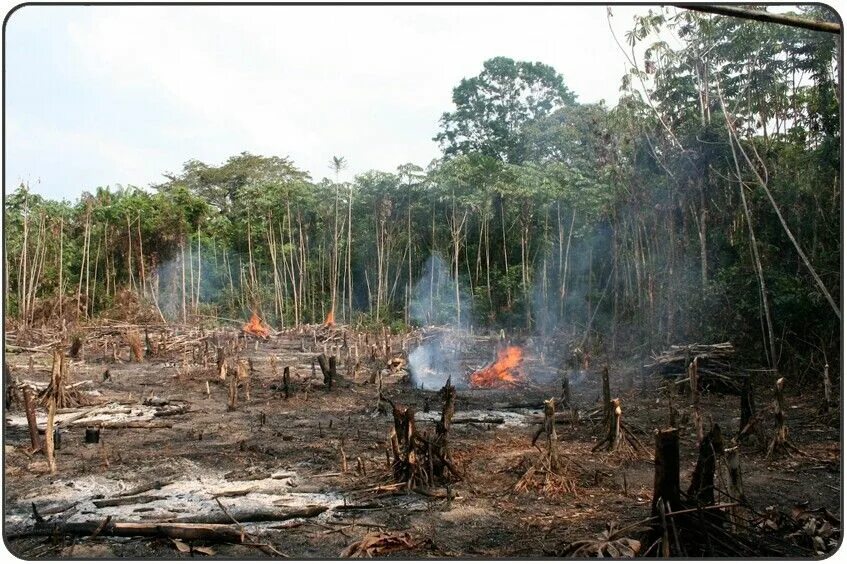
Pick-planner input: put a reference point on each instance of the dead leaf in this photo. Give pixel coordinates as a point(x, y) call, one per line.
point(204, 550)
point(376, 544)
point(181, 546)
point(610, 543)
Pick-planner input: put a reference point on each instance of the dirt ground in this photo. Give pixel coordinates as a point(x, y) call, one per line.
point(277, 453)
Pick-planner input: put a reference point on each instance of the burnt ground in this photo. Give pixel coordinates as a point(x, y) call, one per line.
point(272, 452)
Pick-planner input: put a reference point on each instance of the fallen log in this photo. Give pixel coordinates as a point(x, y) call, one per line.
point(128, 424)
point(157, 485)
point(257, 515)
point(481, 420)
point(127, 500)
point(184, 531)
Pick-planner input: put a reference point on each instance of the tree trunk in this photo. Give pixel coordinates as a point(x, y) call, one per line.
point(666, 476)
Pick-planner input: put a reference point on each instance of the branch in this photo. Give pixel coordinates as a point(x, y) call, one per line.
point(783, 19)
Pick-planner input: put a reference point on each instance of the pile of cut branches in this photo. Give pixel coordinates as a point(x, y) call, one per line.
point(715, 370)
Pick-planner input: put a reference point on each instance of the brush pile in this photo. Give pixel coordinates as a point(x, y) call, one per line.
point(715, 371)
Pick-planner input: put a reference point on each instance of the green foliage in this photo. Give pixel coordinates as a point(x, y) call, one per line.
point(493, 108)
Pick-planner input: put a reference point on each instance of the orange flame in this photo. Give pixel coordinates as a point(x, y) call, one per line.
point(501, 373)
point(256, 327)
point(330, 319)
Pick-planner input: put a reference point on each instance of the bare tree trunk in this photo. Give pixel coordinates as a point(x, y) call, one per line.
point(182, 265)
point(350, 253)
point(199, 267)
point(140, 259)
point(61, 265)
point(130, 274)
point(505, 254)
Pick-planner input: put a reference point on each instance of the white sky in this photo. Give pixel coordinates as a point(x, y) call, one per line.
point(117, 95)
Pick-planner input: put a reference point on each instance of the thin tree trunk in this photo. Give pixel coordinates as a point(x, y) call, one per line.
point(199, 266)
point(349, 252)
point(182, 266)
point(61, 266)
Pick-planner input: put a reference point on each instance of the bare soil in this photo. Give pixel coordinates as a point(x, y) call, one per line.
point(276, 454)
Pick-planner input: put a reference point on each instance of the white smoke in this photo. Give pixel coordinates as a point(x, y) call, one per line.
point(434, 302)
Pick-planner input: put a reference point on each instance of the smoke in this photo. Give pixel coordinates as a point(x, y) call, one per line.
point(571, 299)
point(434, 297)
point(437, 299)
point(197, 276)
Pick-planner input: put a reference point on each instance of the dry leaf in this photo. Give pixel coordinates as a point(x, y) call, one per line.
point(204, 550)
point(609, 544)
point(181, 546)
point(376, 544)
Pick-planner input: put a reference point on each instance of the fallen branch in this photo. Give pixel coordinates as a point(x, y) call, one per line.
point(258, 515)
point(184, 531)
point(126, 500)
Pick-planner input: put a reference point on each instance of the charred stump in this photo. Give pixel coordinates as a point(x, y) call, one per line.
point(328, 369)
point(565, 399)
point(76, 347)
point(419, 462)
point(11, 388)
point(286, 382)
point(666, 476)
point(607, 397)
point(702, 488)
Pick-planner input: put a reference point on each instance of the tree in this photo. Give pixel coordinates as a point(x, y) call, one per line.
point(493, 108)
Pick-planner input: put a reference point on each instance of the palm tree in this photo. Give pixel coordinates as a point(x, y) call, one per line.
point(337, 164)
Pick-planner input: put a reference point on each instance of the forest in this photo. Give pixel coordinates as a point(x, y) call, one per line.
point(694, 222)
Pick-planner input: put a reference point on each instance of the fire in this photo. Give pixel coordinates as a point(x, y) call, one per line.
point(502, 372)
point(330, 319)
point(256, 327)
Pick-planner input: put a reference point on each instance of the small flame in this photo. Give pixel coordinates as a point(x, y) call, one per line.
point(502, 372)
point(256, 327)
point(330, 319)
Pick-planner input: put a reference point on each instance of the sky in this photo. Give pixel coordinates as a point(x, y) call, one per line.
point(104, 95)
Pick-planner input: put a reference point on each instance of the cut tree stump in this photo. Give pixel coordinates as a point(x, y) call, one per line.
point(29, 406)
point(328, 369)
point(418, 461)
point(781, 444)
point(618, 437)
point(550, 472)
point(286, 381)
point(666, 476)
point(58, 389)
point(702, 486)
point(735, 486)
point(826, 405)
point(565, 398)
